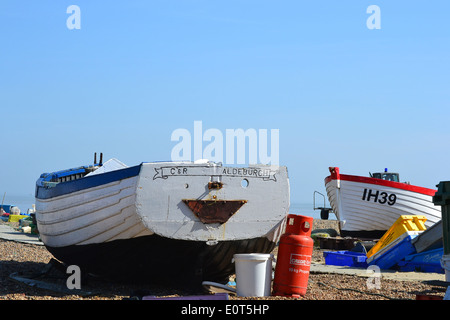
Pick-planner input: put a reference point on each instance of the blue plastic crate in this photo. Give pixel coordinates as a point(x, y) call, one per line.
point(420, 267)
point(390, 257)
point(428, 261)
point(345, 258)
point(430, 256)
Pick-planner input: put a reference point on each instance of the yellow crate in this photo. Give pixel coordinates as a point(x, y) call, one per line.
point(16, 217)
point(404, 223)
point(420, 222)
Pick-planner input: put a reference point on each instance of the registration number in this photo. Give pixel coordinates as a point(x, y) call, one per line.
point(380, 197)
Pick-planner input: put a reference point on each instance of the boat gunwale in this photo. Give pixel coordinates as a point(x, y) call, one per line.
point(375, 181)
point(63, 188)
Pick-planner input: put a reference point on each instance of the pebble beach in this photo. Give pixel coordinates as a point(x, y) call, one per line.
point(25, 259)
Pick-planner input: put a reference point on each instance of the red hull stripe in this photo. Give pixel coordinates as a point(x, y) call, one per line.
point(380, 182)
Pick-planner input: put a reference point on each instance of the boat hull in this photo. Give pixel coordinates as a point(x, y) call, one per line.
point(367, 207)
point(159, 260)
point(136, 222)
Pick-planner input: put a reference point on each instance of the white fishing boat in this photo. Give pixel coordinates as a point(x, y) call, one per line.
point(368, 206)
point(161, 221)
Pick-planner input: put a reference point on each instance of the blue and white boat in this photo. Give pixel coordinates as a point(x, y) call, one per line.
point(161, 221)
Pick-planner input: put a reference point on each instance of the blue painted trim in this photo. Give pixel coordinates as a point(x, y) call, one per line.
point(7, 207)
point(46, 192)
point(63, 173)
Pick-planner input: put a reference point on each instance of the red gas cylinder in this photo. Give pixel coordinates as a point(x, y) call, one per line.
point(294, 257)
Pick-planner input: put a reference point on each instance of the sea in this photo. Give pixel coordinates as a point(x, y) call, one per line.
point(307, 209)
point(25, 202)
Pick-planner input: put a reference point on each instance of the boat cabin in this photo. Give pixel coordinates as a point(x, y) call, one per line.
point(389, 176)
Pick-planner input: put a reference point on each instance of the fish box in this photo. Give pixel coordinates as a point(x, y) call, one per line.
point(420, 267)
point(16, 217)
point(345, 258)
point(393, 253)
point(430, 239)
point(404, 224)
point(428, 261)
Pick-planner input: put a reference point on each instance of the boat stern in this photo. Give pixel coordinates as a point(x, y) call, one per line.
point(209, 202)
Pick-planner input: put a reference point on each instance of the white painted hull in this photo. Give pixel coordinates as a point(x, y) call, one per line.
point(134, 221)
point(357, 212)
point(100, 214)
point(150, 203)
point(159, 205)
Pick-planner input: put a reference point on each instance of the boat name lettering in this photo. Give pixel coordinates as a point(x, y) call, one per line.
point(266, 174)
point(263, 173)
point(380, 197)
point(165, 172)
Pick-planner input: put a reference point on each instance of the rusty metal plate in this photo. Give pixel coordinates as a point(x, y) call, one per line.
point(214, 211)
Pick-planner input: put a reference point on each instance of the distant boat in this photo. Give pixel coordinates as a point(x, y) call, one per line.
point(161, 221)
point(368, 206)
point(6, 208)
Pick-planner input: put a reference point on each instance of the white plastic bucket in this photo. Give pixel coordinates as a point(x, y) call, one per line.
point(253, 274)
point(445, 263)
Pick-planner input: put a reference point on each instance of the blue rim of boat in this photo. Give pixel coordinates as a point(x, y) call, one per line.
point(47, 186)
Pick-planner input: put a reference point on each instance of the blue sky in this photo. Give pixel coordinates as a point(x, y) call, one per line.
point(339, 93)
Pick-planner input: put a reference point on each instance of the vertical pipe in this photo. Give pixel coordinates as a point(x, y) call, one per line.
point(446, 228)
point(442, 198)
point(3, 200)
